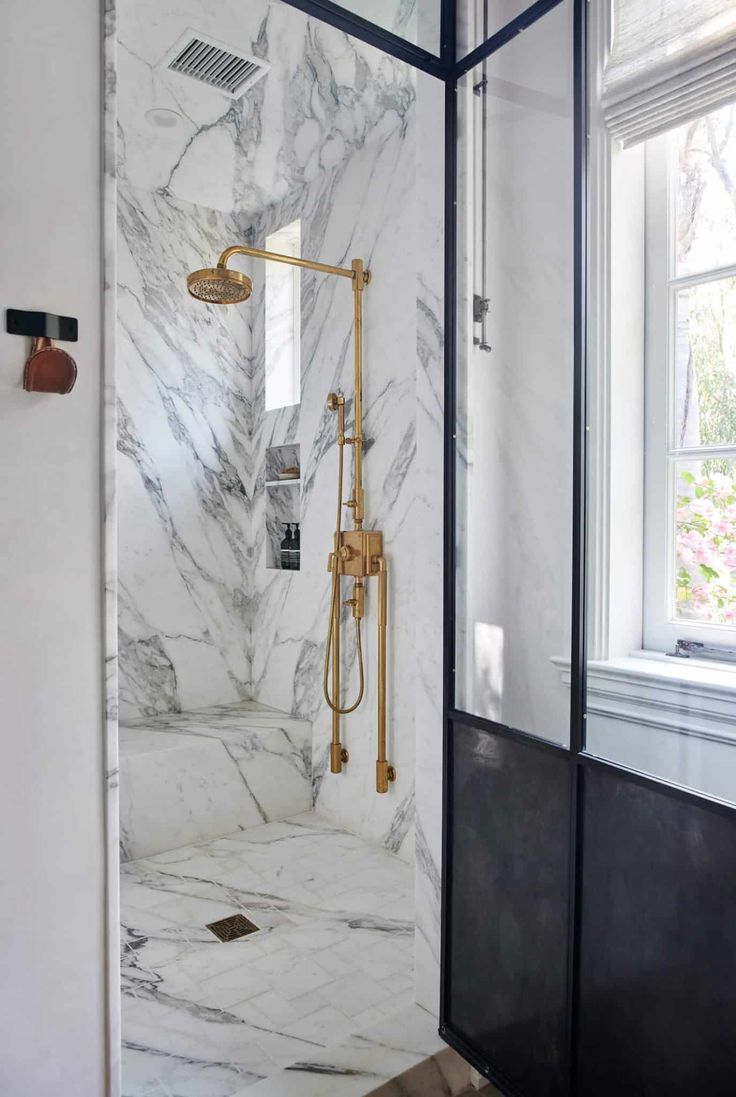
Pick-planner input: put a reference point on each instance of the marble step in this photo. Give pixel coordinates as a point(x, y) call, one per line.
point(188, 777)
point(399, 1056)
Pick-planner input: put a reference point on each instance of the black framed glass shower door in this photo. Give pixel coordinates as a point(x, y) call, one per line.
point(589, 904)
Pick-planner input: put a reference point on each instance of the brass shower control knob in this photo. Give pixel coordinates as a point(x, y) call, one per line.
point(345, 552)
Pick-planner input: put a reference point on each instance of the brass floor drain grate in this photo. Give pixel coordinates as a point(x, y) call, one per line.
point(230, 929)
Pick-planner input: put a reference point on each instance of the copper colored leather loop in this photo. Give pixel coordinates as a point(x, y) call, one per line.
point(49, 369)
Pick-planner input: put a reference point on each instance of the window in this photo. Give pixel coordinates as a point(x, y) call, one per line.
point(690, 383)
point(283, 320)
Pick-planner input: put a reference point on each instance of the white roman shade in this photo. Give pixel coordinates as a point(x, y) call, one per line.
point(670, 61)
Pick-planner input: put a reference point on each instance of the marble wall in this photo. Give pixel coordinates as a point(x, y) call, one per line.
point(351, 149)
point(365, 207)
point(325, 97)
point(184, 429)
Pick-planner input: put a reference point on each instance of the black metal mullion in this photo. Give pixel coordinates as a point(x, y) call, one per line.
point(482, 723)
point(578, 647)
point(450, 490)
point(522, 21)
point(366, 31)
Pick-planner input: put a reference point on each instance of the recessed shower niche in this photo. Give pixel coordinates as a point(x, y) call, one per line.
point(283, 508)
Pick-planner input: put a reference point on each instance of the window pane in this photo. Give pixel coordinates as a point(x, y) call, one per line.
point(476, 22)
point(705, 364)
point(706, 192)
point(705, 541)
point(515, 398)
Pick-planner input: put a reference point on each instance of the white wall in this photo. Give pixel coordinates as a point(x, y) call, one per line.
point(51, 776)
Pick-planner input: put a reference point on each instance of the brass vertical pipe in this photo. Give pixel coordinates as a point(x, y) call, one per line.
point(384, 772)
point(359, 281)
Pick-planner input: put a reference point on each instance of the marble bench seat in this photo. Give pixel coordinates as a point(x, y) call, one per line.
point(191, 776)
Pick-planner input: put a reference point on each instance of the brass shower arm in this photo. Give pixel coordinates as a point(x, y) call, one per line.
point(292, 260)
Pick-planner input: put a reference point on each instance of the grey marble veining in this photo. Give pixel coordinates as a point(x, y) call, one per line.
point(183, 466)
point(350, 145)
point(325, 97)
point(362, 208)
point(400, 1056)
point(186, 777)
point(333, 955)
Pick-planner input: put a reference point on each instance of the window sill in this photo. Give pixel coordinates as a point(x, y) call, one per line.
point(678, 695)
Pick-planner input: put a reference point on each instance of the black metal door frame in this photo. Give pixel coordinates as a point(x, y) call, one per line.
point(448, 68)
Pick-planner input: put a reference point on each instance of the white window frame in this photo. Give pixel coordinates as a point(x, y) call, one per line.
point(282, 346)
point(661, 628)
point(629, 687)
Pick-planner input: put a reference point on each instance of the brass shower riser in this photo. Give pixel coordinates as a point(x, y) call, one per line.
point(358, 553)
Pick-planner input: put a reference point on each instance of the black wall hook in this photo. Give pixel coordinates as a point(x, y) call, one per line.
point(41, 325)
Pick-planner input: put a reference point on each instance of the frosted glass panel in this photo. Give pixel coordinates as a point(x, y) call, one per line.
point(515, 382)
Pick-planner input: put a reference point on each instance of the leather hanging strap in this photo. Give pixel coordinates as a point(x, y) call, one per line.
point(49, 369)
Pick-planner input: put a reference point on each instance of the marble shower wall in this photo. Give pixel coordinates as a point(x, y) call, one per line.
point(428, 578)
point(353, 149)
point(325, 97)
point(364, 208)
point(184, 427)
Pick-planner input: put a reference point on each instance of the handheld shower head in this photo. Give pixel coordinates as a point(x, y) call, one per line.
point(219, 285)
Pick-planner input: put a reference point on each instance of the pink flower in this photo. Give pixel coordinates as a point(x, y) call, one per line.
point(705, 552)
point(722, 485)
point(729, 555)
point(691, 539)
point(729, 615)
point(702, 507)
point(723, 528)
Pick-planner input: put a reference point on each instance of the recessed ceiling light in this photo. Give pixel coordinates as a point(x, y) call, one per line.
point(163, 118)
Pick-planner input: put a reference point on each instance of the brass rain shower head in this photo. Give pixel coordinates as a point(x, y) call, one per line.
point(219, 285)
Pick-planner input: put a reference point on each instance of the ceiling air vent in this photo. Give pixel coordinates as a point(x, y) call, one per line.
point(213, 64)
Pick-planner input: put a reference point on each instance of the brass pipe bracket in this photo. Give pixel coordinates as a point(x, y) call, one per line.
point(385, 773)
point(339, 757)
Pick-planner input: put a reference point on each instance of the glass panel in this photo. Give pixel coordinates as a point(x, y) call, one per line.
point(705, 364)
point(417, 21)
point(515, 372)
point(478, 20)
point(669, 711)
point(704, 587)
point(706, 192)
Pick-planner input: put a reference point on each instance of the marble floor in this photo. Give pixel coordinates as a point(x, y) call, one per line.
point(333, 955)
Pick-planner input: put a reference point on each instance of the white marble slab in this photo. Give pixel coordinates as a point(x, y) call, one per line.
point(333, 955)
point(186, 777)
point(325, 97)
point(350, 146)
point(401, 1055)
